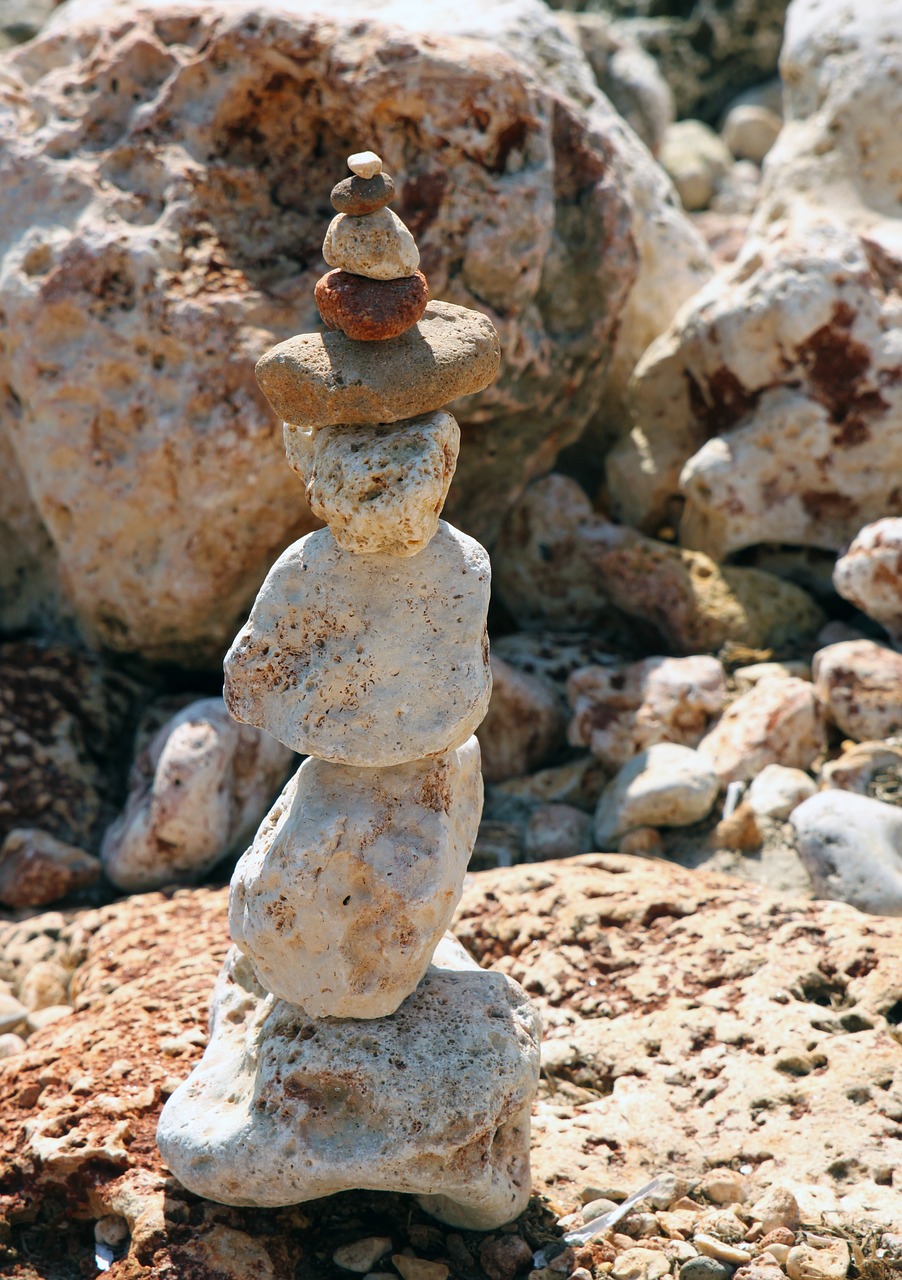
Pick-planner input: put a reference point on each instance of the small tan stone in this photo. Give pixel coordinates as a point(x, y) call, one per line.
point(366, 660)
point(640, 1264)
point(665, 786)
point(778, 1207)
point(419, 1268)
point(870, 574)
point(826, 1262)
point(523, 726)
point(720, 1249)
point(322, 379)
point(36, 868)
point(41, 1018)
point(46, 983)
point(379, 488)
point(360, 1255)
point(723, 1186)
point(376, 245)
point(365, 164)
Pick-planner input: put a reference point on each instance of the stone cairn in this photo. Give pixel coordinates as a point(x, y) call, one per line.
point(352, 1045)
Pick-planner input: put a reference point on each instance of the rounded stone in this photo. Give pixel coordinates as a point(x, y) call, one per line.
point(353, 878)
point(433, 1101)
point(377, 245)
point(365, 164)
point(323, 379)
point(666, 786)
point(367, 659)
point(359, 196)
point(371, 310)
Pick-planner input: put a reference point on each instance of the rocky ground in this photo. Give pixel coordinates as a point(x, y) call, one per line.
point(687, 478)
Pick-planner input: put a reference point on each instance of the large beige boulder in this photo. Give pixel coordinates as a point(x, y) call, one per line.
point(353, 878)
point(367, 659)
point(283, 1108)
point(156, 239)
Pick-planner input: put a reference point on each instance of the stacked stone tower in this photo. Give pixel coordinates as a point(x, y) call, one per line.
point(353, 1043)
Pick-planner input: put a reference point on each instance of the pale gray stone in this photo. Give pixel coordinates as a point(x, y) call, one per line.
point(353, 878)
point(859, 682)
point(433, 1101)
point(851, 846)
point(777, 790)
point(666, 786)
point(367, 660)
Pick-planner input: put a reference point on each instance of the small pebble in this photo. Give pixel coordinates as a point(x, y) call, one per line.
point(724, 1186)
point(780, 1236)
point(642, 842)
point(419, 1268)
point(378, 246)
point(111, 1229)
point(828, 1262)
point(10, 1044)
point(720, 1250)
point(595, 1208)
point(364, 164)
point(504, 1257)
point(640, 1264)
point(12, 1011)
point(361, 196)
point(750, 132)
point(778, 1207)
point(617, 1194)
point(360, 1255)
point(704, 1268)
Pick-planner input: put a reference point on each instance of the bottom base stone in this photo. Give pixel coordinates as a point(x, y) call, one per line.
point(433, 1100)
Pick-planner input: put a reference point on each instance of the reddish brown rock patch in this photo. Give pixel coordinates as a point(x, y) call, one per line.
point(371, 310)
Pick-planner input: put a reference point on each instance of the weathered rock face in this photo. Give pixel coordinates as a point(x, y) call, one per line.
point(457, 1139)
point(326, 658)
point(623, 956)
point(63, 718)
point(773, 401)
point(177, 254)
point(196, 793)
point(353, 878)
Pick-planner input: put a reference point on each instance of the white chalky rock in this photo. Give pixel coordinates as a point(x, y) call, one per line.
point(199, 790)
point(779, 721)
point(776, 791)
point(367, 660)
point(860, 683)
point(433, 1101)
point(365, 164)
point(619, 711)
point(665, 786)
point(379, 488)
point(377, 245)
point(353, 878)
point(870, 574)
point(851, 846)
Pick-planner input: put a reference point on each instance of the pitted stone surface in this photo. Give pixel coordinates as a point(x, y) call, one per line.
point(371, 310)
point(320, 380)
point(283, 1108)
point(376, 245)
point(379, 488)
point(869, 574)
point(353, 878)
point(779, 721)
point(859, 682)
point(367, 660)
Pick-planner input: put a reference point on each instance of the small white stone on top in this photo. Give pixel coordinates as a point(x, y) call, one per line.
point(365, 164)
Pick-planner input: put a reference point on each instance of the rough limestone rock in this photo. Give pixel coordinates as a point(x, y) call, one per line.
point(776, 722)
point(869, 574)
point(619, 711)
point(870, 768)
point(667, 785)
point(35, 868)
point(368, 310)
point(859, 682)
point(327, 657)
point(323, 379)
point(524, 725)
point(379, 488)
point(63, 718)
point(272, 1084)
point(196, 793)
point(377, 245)
point(771, 402)
point(559, 564)
point(777, 790)
point(353, 878)
point(622, 954)
point(851, 846)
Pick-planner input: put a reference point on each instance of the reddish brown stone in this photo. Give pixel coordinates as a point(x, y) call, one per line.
point(371, 310)
point(363, 195)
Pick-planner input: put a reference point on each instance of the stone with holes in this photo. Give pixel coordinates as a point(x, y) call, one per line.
point(858, 682)
point(377, 245)
point(371, 310)
point(433, 1101)
point(353, 878)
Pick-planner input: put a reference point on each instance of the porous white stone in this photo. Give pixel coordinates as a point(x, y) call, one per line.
point(779, 721)
point(353, 878)
point(367, 660)
point(379, 488)
point(777, 790)
point(870, 574)
point(433, 1101)
point(860, 683)
point(198, 791)
point(365, 164)
point(619, 711)
point(666, 786)
point(377, 245)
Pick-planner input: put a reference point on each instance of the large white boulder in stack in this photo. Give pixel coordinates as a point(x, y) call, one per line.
point(352, 1065)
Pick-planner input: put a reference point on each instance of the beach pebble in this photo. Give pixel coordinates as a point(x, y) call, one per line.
point(364, 164)
point(12, 1011)
point(371, 310)
point(665, 786)
point(363, 195)
point(376, 245)
point(10, 1044)
point(777, 790)
point(870, 768)
point(379, 488)
point(723, 1186)
point(777, 1207)
point(361, 1255)
point(827, 1261)
point(523, 726)
point(704, 1268)
point(851, 846)
point(750, 131)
